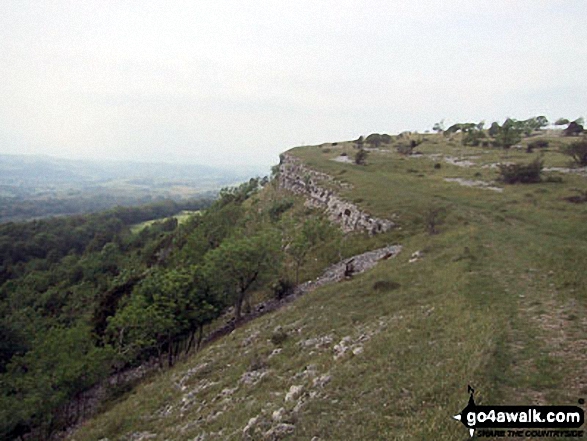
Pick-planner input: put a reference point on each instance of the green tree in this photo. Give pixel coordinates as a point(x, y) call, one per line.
point(62, 363)
point(509, 133)
point(493, 129)
point(439, 126)
point(298, 250)
point(360, 141)
point(244, 262)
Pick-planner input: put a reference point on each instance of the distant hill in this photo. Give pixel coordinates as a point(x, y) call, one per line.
point(40, 186)
point(27, 169)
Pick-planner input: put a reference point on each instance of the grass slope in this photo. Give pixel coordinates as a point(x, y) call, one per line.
point(497, 300)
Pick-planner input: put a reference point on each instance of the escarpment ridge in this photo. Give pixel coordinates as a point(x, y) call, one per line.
point(296, 177)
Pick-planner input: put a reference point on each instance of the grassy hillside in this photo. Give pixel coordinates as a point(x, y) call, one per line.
point(496, 299)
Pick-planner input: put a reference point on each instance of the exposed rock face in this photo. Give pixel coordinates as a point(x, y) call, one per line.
point(297, 178)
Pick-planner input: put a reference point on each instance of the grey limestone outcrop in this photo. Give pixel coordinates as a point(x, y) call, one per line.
point(296, 177)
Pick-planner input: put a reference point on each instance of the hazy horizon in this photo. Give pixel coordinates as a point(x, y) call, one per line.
point(226, 84)
point(146, 161)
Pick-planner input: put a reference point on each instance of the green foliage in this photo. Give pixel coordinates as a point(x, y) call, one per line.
point(283, 288)
point(62, 363)
point(243, 262)
point(537, 144)
point(278, 208)
point(376, 140)
point(438, 127)
point(278, 336)
point(81, 296)
point(574, 129)
point(461, 127)
point(577, 151)
point(561, 122)
point(361, 157)
point(494, 129)
point(521, 173)
point(532, 124)
point(508, 134)
point(405, 149)
point(240, 193)
point(473, 137)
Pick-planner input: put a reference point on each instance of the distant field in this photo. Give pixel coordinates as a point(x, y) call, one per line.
point(33, 187)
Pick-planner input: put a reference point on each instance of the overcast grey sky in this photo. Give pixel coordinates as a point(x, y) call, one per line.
point(237, 82)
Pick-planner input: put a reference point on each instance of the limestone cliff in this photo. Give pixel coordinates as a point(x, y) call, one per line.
point(298, 178)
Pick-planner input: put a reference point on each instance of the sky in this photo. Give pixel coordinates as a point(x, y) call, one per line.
point(233, 83)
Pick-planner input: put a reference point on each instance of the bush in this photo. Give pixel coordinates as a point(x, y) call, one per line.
point(385, 285)
point(473, 137)
point(577, 151)
point(361, 157)
point(278, 336)
point(283, 288)
point(278, 208)
point(434, 217)
point(538, 144)
point(581, 198)
point(375, 139)
point(405, 149)
point(574, 129)
point(522, 173)
point(508, 134)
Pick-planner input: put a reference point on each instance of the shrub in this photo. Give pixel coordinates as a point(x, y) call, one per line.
point(385, 285)
point(574, 129)
point(283, 288)
point(375, 139)
point(278, 208)
point(581, 198)
point(257, 363)
point(554, 179)
point(522, 173)
point(361, 157)
point(437, 165)
point(434, 217)
point(473, 137)
point(577, 151)
point(538, 144)
point(405, 149)
point(278, 336)
point(508, 134)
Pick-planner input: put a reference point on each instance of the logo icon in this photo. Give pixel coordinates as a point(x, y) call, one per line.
point(475, 417)
point(470, 406)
